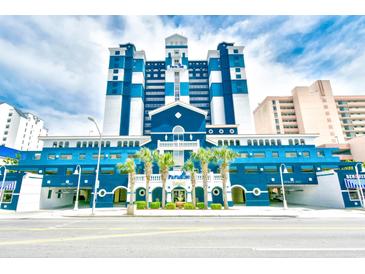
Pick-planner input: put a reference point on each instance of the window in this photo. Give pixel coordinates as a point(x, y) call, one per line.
point(37, 156)
point(259, 155)
point(353, 194)
point(66, 157)
point(291, 154)
point(307, 168)
point(306, 154)
point(107, 170)
point(59, 194)
point(117, 52)
point(95, 156)
point(51, 156)
point(237, 142)
point(238, 76)
point(115, 156)
point(237, 70)
point(78, 144)
point(320, 153)
point(82, 156)
point(67, 144)
point(88, 170)
point(243, 155)
point(220, 143)
point(84, 144)
point(119, 144)
point(51, 170)
point(290, 142)
point(69, 171)
point(115, 70)
point(275, 154)
point(90, 144)
point(107, 143)
point(271, 169)
point(235, 51)
point(232, 169)
point(49, 195)
point(7, 196)
point(249, 142)
point(115, 78)
point(251, 169)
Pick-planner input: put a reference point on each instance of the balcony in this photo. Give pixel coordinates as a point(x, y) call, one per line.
point(178, 145)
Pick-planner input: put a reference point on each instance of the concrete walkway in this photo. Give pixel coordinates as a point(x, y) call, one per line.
point(240, 211)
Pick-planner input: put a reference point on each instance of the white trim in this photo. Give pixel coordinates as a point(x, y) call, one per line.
point(177, 103)
point(116, 188)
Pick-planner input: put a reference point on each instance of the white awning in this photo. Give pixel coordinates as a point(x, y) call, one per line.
point(352, 183)
point(8, 185)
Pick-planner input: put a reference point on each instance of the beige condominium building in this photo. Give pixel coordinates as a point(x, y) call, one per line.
point(313, 110)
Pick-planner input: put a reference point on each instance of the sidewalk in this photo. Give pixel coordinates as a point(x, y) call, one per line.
point(242, 211)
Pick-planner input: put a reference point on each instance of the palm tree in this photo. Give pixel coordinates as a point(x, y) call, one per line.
point(146, 157)
point(204, 156)
point(165, 162)
point(129, 167)
point(190, 167)
point(223, 156)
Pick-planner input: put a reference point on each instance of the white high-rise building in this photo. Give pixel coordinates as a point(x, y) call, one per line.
point(20, 130)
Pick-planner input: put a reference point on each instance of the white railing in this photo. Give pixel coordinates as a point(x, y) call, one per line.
point(156, 178)
point(178, 144)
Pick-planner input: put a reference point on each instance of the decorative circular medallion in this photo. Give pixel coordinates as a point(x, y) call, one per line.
point(256, 191)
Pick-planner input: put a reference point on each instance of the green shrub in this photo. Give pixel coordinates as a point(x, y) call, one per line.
point(200, 205)
point(141, 204)
point(170, 206)
point(189, 206)
point(216, 206)
point(155, 205)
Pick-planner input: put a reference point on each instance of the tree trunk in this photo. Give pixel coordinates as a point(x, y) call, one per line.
point(224, 182)
point(132, 180)
point(163, 178)
point(205, 184)
point(193, 183)
point(148, 178)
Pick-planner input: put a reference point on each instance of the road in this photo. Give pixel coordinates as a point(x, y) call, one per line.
point(182, 237)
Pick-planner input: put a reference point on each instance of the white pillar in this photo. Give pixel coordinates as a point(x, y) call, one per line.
point(189, 197)
point(168, 197)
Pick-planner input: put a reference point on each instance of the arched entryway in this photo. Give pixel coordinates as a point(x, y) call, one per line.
point(199, 194)
point(157, 194)
point(238, 195)
point(120, 197)
point(141, 194)
point(178, 194)
point(217, 196)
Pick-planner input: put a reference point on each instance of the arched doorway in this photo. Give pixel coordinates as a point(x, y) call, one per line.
point(157, 194)
point(178, 194)
point(238, 195)
point(217, 196)
point(199, 194)
point(141, 194)
point(120, 197)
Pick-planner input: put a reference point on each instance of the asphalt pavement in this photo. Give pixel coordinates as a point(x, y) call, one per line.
point(154, 237)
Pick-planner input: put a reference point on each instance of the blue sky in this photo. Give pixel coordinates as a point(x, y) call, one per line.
point(56, 66)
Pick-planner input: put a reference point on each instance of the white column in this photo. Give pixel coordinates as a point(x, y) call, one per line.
point(189, 197)
point(168, 197)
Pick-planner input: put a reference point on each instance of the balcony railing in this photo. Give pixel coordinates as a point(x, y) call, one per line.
point(178, 145)
point(156, 178)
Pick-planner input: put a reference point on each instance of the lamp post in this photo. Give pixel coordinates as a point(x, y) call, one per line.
point(77, 172)
point(2, 184)
point(359, 188)
point(96, 185)
point(282, 183)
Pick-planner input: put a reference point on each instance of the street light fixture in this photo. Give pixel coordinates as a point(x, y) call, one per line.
point(285, 171)
point(96, 185)
point(359, 188)
point(77, 172)
point(2, 184)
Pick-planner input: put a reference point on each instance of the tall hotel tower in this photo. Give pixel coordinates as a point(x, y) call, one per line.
point(135, 87)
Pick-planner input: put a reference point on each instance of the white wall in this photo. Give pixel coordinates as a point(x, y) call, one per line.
point(217, 110)
point(54, 202)
point(242, 113)
point(30, 193)
point(326, 194)
point(136, 117)
point(112, 114)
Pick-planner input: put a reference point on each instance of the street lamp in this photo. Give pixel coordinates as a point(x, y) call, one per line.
point(359, 188)
point(285, 171)
point(77, 172)
point(2, 184)
point(96, 185)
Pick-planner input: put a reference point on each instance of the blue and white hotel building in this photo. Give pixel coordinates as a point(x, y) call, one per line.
point(179, 105)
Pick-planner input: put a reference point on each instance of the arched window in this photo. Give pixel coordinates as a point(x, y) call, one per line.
point(178, 133)
point(225, 142)
point(219, 142)
point(119, 143)
point(290, 142)
point(54, 144)
point(296, 142)
point(84, 144)
point(267, 142)
point(278, 141)
point(130, 143)
point(238, 143)
point(272, 142)
point(137, 143)
point(255, 142)
point(107, 143)
point(78, 144)
point(302, 141)
point(249, 142)
point(90, 144)
point(96, 144)
point(60, 144)
point(231, 142)
point(67, 144)
point(261, 142)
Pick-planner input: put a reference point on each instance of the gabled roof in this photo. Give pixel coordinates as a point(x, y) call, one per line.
point(176, 35)
point(178, 103)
